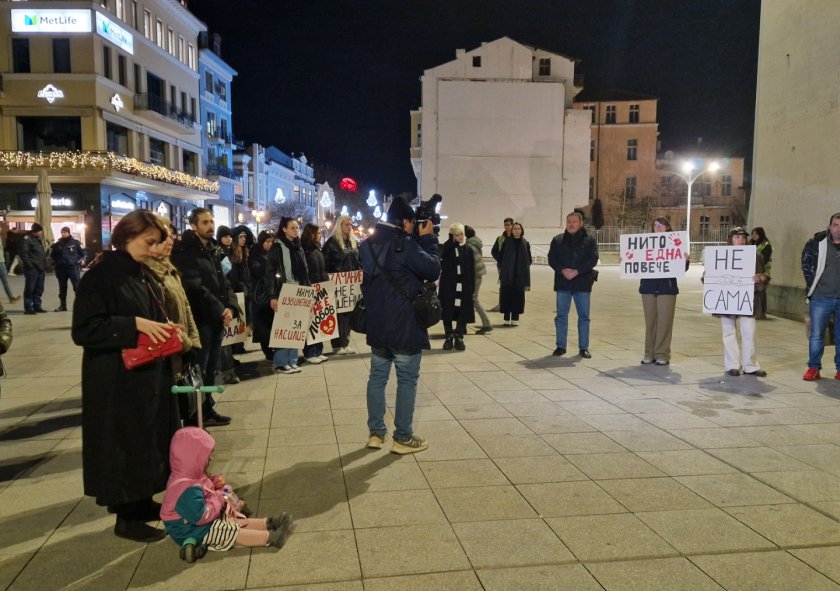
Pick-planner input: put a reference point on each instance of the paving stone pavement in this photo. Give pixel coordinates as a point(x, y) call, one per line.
point(541, 473)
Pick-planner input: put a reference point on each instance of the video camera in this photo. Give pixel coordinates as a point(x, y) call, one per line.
point(428, 211)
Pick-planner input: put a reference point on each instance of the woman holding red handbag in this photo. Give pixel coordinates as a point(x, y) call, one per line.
point(128, 416)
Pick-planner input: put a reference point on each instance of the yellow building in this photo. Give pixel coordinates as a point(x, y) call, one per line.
point(103, 95)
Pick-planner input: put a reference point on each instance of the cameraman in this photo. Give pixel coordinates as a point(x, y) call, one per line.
point(392, 333)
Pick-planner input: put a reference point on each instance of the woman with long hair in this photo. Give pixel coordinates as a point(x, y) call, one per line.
point(341, 253)
point(310, 240)
point(514, 274)
point(261, 316)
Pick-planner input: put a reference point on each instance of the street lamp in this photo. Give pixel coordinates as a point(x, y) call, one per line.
point(258, 216)
point(689, 176)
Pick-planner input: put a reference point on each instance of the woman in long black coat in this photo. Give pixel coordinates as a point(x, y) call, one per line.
point(261, 316)
point(128, 417)
point(457, 281)
point(514, 274)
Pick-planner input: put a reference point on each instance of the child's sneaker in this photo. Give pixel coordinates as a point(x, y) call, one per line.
point(278, 534)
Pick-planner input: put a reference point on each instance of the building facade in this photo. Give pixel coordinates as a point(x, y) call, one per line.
point(104, 96)
point(497, 136)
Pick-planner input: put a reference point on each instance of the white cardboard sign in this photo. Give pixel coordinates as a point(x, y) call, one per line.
point(728, 286)
point(235, 331)
point(323, 320)
point(348, 289)
point(291, 320)
point(654, 255)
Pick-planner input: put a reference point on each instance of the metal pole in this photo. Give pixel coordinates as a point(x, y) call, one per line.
point(690, 182)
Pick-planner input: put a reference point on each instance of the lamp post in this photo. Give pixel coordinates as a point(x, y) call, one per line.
point(257, 216)
point(689, 176)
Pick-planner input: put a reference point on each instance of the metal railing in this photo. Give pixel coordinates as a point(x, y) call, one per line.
point(153, 102)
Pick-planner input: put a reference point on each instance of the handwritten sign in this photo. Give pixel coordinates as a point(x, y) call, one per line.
point(728, 286)
point(653, 256)
point(291, 320)
point(323, 321)
point(348, 290)
point(235, 331)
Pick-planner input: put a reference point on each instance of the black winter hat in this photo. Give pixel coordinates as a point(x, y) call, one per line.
point(36, 227)
point(223, 231)
point(399, 210)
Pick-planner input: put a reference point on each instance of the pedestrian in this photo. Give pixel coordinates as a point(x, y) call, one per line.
point(34, 260)
point(457, 276)
point(514, 274)
point(310, 241)
point(395, 255)
point(226, 364)
point(240, 276)
point(758, 237)
point(213, 302)
point(659, 300)
point(4, 277)
point(477, 248)
point(14, 242)
point(341, 252)
point(67, 256)
point(821, 268)
point(261, 316)
point(496, 253)
point(128, 416)
point(285, 263)
point(573, 256)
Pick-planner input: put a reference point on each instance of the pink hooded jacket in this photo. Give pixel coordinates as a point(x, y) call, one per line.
point(188, 454)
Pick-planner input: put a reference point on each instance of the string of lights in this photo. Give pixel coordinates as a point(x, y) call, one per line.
point(103, 161)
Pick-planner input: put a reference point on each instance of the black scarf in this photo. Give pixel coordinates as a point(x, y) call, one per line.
point(299, 269)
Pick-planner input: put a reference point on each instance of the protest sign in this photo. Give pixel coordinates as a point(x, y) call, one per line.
point(728, 286)
point(654, 255)
point(322, 320)
point(235, 331)
point(348, 290)
point(291, 320)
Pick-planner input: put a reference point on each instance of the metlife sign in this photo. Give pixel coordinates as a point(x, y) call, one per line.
point(115, 33)
point(50, 21)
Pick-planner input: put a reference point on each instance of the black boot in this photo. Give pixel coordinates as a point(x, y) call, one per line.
point(459, 342)
point(447, 344)
point(62, 307)
point(137, 531)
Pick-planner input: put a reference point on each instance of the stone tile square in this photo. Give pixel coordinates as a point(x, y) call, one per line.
point(384, 474)
point(161, 567)
point(554, 468)
point(478, 411)
point(564, 423)
point(695, 531)
point(289, 436)
point(647, 438)
point(613, 465)
point(776, 435)
point(301, 560)
point(643, 407)
point(302, 417)
point(557, 499)
point(825, 456)
point(714, 437)
point(423, 549)
point(482, 503)
point(789, 525)
point(535, 409)
point(831, 508)
point(768, 571)
point(582, 443)
point(449, 581)
point(686, 462)
point(678, 420)
point(589, 407)
point(384, 509)
point(566, 394)
point(732, 490)
point(673, 574)
point(462, 473)
point(759, 459)
point(549, 577)
point(517, 542)
point(609, 537)
point(504, 445)
point(321, 513)
point(825, 560)
point(615, 422)
point(653, 494)
point(805, 486)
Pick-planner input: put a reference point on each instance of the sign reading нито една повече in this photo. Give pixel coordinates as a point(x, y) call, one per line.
point(655, 255)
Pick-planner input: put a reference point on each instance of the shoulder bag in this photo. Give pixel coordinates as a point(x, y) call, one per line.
point(426, 304)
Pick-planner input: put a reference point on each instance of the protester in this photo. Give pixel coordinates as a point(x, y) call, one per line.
point(477, 248)
point(393, 333)
point(232, 269)
point(342, 254)
point(284, 264)
point(659, 301)
point(573, 256)
point(765, 249)
point(128, 416)
point(34, 260)
point(514, 274)
point(4, 277)
point(821, 268)
point(261, 315)
point(310, 241)
point(67, 255)
point(496, 253)
point(212, 300)
point(457, 275)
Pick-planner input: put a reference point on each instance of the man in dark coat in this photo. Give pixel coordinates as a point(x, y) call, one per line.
point(496, 253)
point(212, 300)
point(34, 259)
point(67, 254)
point(573, 256)
point(394, 336)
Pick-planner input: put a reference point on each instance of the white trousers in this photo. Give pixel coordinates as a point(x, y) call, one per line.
point(742, 357)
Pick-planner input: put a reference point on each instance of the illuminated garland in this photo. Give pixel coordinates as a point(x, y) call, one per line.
point(103, 161)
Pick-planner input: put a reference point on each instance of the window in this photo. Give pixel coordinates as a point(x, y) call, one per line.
point(134, 21)
point(159, 34)
point(122, 70)
point(592, 150)
point(632, 145)
point(725, 185)
point(173, 95)
point(191, 56)
point(170, 36)
point(106, 61)
point(184, 102)
point(224, 131)
point(725, 222)
point(157, 152)
point(20, 56)
point(592, 109)
point(221, 90)
point(545, 66)
point(49, 134)
point(61, 55)
point(665, 182)
point(211, 124)
point(117, 138)
point(419, 135)
point(591, 188)
point(190, 162)
point(137, 79)
point(182, 51)
point(208, 82)
point(193, 110)
point(704, 223)
point(630, 187)
point(476, 61)
point(634, 113)
point(147, 25)
point(119, 7)
point(297, 190)
point(702, 188)
point(610, 114)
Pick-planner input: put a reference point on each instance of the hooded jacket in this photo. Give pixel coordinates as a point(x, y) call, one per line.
point(477, 247)
point(191, 502)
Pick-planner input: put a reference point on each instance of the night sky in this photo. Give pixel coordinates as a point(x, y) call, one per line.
point(337, 79)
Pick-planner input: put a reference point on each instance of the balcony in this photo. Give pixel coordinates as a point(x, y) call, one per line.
point(220, 135)
point(220, 170)
point(152, 102)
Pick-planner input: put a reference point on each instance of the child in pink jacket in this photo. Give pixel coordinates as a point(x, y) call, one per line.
point(195, 504)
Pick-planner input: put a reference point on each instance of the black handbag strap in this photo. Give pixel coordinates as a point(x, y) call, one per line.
point(156, 298)
point(400, 289)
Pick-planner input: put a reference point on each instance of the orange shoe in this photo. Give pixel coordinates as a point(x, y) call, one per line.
point(812, 375)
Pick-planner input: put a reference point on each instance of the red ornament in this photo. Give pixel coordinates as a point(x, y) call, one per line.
point(348, 184)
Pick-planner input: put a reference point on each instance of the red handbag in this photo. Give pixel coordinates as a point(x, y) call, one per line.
point(146, 351)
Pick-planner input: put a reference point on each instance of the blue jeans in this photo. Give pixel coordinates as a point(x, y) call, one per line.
point(408, 372)
point(561, 321)
point(283, 357)
point(33, 289)
point(313, 350)
point(208, 358)
point(821, 310)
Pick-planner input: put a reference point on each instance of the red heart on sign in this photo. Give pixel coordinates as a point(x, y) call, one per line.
point(328, 325)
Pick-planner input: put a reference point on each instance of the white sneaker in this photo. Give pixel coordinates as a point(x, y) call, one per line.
point(514, 323)
point(341, 351)
point(287, 369)
point(349, 351)
point(323, 358)
point(315, 360)
point(295, 368)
